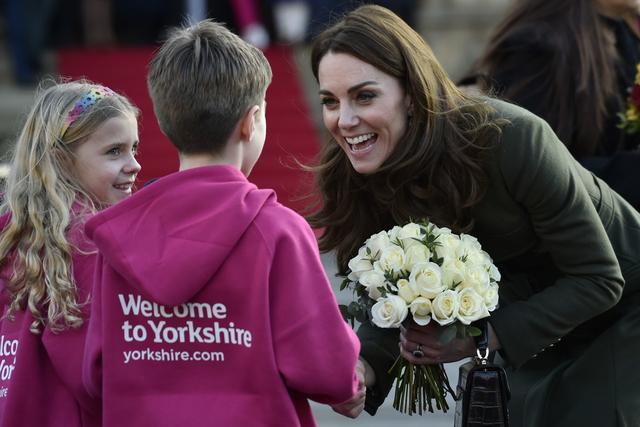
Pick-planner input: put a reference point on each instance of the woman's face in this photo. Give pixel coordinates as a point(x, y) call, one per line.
point(364, 108)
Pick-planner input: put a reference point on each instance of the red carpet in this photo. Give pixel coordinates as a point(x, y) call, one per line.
point(290, 131)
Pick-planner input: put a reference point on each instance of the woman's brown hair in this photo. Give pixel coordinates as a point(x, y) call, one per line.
point(436, 169)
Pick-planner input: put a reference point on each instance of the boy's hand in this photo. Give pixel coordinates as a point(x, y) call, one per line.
point(354, 406)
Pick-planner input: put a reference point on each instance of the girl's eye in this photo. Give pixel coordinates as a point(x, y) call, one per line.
point(134, 150)
point(115, 151)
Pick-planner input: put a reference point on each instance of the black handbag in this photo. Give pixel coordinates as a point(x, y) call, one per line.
point(483, 391)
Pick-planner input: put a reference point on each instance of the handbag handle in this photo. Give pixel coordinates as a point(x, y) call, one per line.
point(482, 341)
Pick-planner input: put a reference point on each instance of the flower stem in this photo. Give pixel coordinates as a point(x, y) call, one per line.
point(418, 386)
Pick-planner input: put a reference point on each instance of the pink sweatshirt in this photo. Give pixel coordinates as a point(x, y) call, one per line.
point(212, 308)
point(41, 375)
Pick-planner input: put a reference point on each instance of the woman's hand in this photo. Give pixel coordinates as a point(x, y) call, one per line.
point(428, 337)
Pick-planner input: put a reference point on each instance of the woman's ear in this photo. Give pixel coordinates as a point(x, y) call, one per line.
point(408, 103)
point(248, 123)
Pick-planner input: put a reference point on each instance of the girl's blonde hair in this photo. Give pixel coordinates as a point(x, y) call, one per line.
point(45, 202)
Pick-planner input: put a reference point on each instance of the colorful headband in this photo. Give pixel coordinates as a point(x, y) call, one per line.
point(95, 94)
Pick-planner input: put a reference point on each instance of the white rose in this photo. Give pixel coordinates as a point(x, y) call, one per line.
point(377, 243)
point(421, 310)
point(491, 297)
point(405, 291)
point(494, 273)
point(414, 255)
point(470, 242)
point(478, 258)
point(468, 248)
point(444, 307)
point(373, 280)
point(389, 312)
point(471, 306)
point(448, 248)
point(394, 232)
point(439, 230)
point(426, 279)
point(409, 233)
point(476, 277)
point(391, 259)
point(358, 265)
point(453, 272)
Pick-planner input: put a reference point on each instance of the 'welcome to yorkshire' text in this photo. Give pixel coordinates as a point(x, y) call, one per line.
point(161, 327)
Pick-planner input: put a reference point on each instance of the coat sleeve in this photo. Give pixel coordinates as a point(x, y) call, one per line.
point(541, 176)
point(316, 351)
point(380, 349)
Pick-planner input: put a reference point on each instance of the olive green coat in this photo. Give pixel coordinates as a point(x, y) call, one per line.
point(569, 324)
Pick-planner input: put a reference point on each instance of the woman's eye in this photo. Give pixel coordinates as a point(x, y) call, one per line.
point(366, 96)
point(328, 102)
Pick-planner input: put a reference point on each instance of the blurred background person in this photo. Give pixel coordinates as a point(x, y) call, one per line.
point(572, 62)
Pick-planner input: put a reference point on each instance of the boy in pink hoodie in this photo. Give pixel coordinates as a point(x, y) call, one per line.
point(211, 305)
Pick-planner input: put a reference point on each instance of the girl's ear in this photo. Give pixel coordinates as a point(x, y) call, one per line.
point(247, 123)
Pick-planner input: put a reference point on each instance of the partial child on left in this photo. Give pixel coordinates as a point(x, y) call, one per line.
point(75, 155)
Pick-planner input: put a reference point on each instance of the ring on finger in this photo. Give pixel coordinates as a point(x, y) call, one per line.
point(418, 351)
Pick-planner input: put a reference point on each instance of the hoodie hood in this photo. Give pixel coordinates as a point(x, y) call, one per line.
point(171, 237)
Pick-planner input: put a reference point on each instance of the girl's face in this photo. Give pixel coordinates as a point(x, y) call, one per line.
point(106, 163)
point(364, 108)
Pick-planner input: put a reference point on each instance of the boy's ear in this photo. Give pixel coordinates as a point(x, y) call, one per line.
point(247, 123)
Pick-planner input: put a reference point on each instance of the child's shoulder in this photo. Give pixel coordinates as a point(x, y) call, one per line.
point(275, 219)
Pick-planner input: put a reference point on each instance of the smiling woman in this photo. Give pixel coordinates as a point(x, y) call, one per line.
point(407, 144)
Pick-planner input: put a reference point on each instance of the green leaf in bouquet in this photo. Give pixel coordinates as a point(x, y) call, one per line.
point(345, 284)
point(362, 316)
point(438, 260)
point(353, 308)
point(344, 311)
point(472, 331)
point(448, 334)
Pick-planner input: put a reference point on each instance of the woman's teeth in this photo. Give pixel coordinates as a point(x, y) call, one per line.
point(359, 139)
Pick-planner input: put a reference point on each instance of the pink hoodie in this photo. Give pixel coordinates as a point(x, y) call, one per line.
point(41, 374)
point(212, 308)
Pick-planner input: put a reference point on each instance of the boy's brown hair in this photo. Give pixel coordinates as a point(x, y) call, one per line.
point(201, 81)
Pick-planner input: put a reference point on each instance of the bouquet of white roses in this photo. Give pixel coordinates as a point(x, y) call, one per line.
point(431, 274)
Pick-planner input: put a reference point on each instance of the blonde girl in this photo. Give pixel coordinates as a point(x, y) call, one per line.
point(74, 156)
